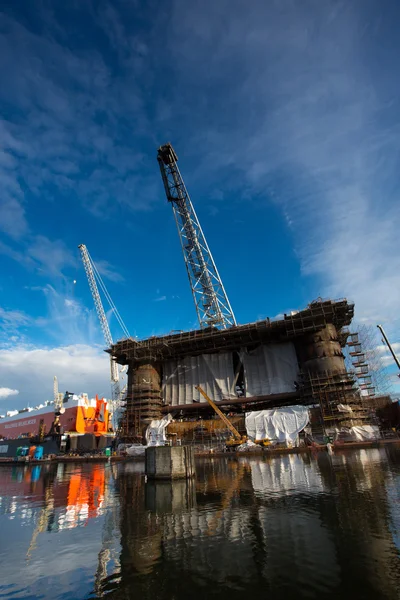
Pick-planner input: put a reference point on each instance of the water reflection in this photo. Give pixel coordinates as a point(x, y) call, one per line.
point(294, 526)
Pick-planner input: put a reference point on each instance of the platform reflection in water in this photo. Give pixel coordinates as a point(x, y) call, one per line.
point(295, 526)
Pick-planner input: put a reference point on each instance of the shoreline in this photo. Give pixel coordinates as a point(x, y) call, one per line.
point(258, 453)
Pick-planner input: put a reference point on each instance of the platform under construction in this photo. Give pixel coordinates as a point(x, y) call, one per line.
point(294, 360)
point(297, 359)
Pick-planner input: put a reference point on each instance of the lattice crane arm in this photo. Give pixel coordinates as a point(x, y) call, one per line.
point(91, 270)
point(87, 263)
point(211, 301)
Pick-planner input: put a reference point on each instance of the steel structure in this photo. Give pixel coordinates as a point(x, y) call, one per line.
point(94, 277)
point(212, 304)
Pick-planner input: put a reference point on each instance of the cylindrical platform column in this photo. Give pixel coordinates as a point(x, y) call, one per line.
point(321, 352)
point(170, 462)
point(146, 391)
point(143, 400)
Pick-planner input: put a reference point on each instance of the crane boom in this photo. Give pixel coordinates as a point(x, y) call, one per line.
point(88, 264)
point(93, 277)
point(219, 412)
point(389, 345)
point(211, 302)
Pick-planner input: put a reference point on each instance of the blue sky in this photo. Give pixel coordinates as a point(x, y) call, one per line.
point(285, 119)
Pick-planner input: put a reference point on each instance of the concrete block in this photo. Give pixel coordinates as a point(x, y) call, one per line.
point(170, 462)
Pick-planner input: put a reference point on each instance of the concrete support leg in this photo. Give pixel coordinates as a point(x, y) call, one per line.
point(166, 462)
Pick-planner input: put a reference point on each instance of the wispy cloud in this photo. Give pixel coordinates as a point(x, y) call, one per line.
point(13, 318)
point(108, 271)
point(67, 321)
point(13, 326)
point(39, 253)
point(160, 299)
point(74, 112)
point(296, 108)
point(385, 355)
point(51, 256)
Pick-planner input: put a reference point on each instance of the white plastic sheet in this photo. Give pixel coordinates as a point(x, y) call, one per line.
point(357, 433)
point(136, 450)
point(344, 408)
point(364, 432)
point(270, 369)
point(213, 372)
point(155, 432)
point(278, 425)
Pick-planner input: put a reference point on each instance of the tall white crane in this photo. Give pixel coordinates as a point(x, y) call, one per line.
point(212, 304)
point(94, 278)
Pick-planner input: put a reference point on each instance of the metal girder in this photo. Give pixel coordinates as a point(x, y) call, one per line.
point(211, 302)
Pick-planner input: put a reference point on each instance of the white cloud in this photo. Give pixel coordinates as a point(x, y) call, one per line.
point(108, 271)
point(12, 215)
point(52, 256)
point(67, 320)
point(291, 109)
point(13, 326)
point(5, 392)
point(385, 355)
point(160, 299)
point(39, 253)
point(79, 368)
point(13, 318)
point(58, 135)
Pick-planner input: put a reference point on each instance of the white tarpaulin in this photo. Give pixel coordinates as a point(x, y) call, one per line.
point(278, 425)
point(364, 432)
point(344, 408)
point(270, 369)
point(357, 433)
point(213, 372)
point(155, 433)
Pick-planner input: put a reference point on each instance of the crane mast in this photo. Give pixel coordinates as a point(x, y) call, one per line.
point(211, 302)
point(58, 400)
point(93, 275)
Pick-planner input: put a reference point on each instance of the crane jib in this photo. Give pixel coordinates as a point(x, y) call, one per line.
point(211, 301)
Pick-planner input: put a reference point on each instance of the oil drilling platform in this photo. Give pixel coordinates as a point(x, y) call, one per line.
point(297, 359)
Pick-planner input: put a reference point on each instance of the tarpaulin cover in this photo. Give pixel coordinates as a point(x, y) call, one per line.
point(270, 369)
point(364, 432)
point(155, 433)
point(278, 425)
point(213, 372)
point(357, 433)
point(344, 408)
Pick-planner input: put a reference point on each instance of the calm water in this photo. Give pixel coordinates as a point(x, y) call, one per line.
point(293, 527)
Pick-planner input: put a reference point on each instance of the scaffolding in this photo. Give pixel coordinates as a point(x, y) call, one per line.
point(157, 348)
point(335, 402)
